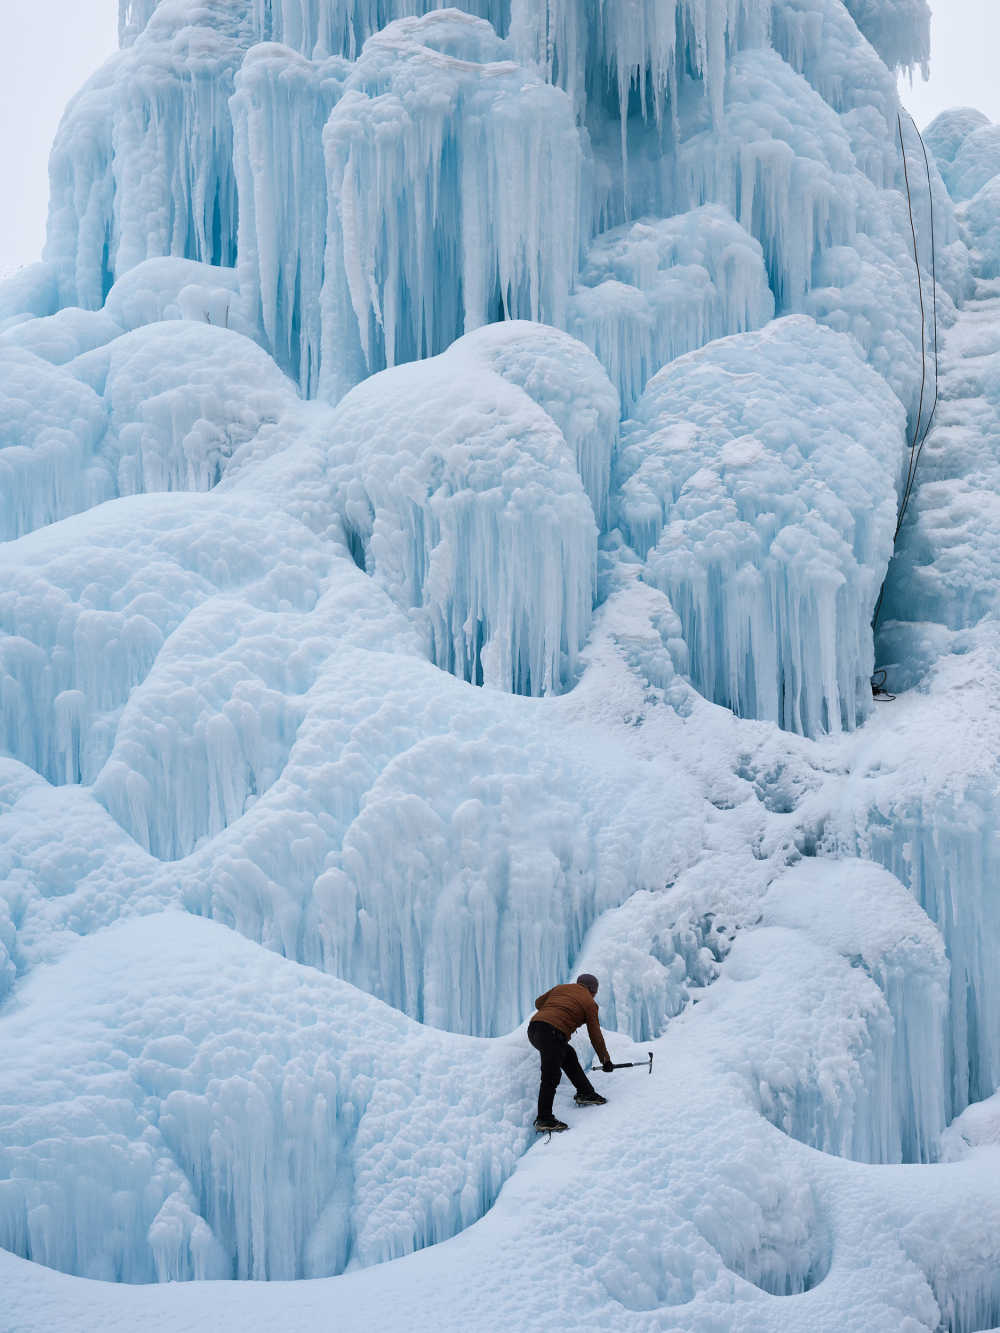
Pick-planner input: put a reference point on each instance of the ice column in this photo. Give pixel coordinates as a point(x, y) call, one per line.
point(279, 108)
point(454, 181)
point(634, 48)
point(462, 496)
point(142, 164)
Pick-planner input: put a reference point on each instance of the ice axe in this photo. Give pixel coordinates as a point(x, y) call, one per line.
point(628, 1064)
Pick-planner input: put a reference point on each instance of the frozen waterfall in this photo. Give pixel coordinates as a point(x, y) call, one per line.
point(450, 460)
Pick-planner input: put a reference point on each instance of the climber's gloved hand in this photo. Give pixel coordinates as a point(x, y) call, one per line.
point(608, 1067)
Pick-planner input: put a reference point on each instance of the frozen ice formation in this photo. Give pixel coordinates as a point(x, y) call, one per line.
point(653, 290)
point(936, 830)
point(470, 505)
point(52, 425)
point(378, 154)
point(161, 408)
point(450, 471)
point(142, 165)
point(899, 30)
point(766, 512)
point(450, 170)
point(279, 108)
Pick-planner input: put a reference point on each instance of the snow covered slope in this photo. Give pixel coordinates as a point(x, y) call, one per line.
point(451, 461)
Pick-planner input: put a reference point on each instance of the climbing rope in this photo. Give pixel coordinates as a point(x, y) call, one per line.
point(921, 428)
point(920, 437)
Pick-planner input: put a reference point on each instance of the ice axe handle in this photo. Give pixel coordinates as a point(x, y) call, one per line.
point(628, 1064)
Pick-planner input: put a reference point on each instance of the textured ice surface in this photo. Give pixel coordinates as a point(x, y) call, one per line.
point(899, 30)
point(868, 917)
point(729, 1203)
point(167, 406)
point(766, 513)
point(253, 710)
point(52, 425)
point(982, 220)
point(936, 829)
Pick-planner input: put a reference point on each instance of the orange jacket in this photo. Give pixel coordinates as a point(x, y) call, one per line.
point(567, 1008)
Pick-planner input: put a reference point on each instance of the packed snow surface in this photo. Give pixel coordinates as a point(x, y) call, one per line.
point(451, 463)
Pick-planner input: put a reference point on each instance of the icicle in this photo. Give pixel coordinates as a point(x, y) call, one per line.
point(279, 108)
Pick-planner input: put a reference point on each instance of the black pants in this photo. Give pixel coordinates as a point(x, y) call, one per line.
point(557, 1055)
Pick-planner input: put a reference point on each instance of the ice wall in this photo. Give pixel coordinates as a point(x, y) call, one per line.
point(400, 688)
point(677, 107)
point(774, 580)
point(638, 53)
point(868, 917)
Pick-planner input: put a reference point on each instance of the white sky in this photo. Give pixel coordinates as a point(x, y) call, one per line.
point(51, 46)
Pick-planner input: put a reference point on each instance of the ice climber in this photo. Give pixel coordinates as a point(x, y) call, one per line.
point(560, 1011)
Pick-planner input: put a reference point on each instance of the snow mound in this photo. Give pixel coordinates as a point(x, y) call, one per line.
point(170, 406)
point(183, 399)
point(172, 288)
point(774, 580)
point(239, 1116)
point(88, 604)
point(976, 162)
point(279, 108)
point(469, 505)
point(946, 134)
